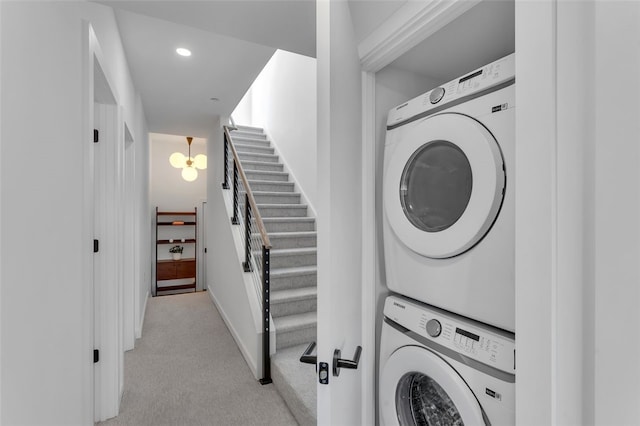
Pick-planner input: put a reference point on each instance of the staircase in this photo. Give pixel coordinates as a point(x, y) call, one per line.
point(293, 268)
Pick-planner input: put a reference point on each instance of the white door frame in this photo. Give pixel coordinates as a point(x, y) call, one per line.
point(130, 253)
point(410, 25)
point(104, 380)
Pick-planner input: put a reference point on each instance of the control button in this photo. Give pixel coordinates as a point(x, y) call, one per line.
point(436, 95)
point(434, 328)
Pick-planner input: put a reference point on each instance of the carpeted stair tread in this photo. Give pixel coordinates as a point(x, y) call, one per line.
point(293, 294)
point(293, 251)
point(262, 165)
point(298, 270)
point(275, 221)
point(266, 175)
point(295, 322)
point(245, 128)
point(253, 149)
point(242, 134)
point(296, 382)
point(271, 186)
point(255, 156)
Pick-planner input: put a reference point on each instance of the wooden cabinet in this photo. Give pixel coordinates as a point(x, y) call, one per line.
point(176, 228)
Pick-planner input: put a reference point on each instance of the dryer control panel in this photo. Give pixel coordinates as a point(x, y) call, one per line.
point(496, 73)
point(481, 342)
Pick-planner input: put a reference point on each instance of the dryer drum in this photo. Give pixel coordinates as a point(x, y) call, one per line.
point(421, 401)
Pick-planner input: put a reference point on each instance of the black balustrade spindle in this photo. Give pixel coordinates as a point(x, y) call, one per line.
point(235, 220)
point(247, 234)
point(225, 183)
point(266, 304)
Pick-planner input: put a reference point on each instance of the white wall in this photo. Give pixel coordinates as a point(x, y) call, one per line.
point(225, 276)
point(282, 100)
point(45, 353)
point(617, 213)
point(577, 172)
point(169, 192)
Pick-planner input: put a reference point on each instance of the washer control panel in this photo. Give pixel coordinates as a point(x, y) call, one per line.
point(490, 75)
point(480, 342)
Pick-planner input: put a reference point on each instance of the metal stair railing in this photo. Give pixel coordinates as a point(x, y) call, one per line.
point(257, 245)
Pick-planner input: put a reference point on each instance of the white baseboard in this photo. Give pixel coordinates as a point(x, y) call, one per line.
point(253, 364)
point(141, 319)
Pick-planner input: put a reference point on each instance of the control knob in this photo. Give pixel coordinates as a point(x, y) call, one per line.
point(434, 328)
point(436, 95)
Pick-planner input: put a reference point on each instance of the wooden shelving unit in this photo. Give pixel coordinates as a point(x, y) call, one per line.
point(170, 273)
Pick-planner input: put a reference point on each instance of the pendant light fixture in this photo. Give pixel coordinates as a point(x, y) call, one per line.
point(189, 165)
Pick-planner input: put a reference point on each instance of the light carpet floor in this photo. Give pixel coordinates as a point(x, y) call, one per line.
point(187, 370)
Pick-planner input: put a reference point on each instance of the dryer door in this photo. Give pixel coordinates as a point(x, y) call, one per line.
point(417, 387)
point(444, 184)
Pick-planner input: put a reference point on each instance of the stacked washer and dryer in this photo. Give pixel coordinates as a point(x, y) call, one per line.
point(447, 349)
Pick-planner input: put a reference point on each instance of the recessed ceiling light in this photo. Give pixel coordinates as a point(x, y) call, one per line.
point(183, 52)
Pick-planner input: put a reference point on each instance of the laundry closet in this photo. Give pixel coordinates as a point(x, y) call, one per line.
point(445, 224)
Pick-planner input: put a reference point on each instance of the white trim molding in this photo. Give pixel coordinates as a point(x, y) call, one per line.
point(369, 248)
point(411, 24)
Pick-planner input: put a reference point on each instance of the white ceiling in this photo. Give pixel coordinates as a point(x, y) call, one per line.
point(175, 90)
point(231, 41)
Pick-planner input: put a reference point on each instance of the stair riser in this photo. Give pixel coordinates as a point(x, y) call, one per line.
point(293, 242)
point(276, 177)
point(273, 167)
point(271, 187)
point(258, 157)
point(250, 149)
point(292, 261)
point(243, 134)
point(293, 307)
point(295, 281)
point(295, 337)
point(300, 211)
point(283, 198)
point(290, 226)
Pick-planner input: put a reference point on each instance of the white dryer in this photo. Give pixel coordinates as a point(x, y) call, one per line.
point(437, 368)
point(448, 196)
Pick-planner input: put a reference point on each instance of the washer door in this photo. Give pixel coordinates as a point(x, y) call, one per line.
point(417, 387)
point(444, 185)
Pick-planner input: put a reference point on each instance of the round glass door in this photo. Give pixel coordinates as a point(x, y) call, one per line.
point(435, 187)
point(443, 184)
point(417, 387)
point(422, 401)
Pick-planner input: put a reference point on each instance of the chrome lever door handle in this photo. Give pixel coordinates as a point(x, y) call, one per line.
point(345, 363)
point(306, 357)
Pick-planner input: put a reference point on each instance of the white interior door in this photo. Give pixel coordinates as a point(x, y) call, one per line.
point(339, 215)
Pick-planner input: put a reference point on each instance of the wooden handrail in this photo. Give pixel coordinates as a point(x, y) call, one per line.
point(245, 182)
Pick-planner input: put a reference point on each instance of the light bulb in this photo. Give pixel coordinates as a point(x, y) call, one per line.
point(177, 160)
point(189, 174)
point(200, 161)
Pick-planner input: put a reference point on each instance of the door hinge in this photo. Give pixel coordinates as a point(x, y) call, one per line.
point(96, 355)
point(95, 135)
point(96, 246)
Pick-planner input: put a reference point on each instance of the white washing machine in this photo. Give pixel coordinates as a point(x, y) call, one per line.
point(438, 368)
point(448, 196)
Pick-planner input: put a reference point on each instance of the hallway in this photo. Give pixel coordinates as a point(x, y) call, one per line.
point(187, 370)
